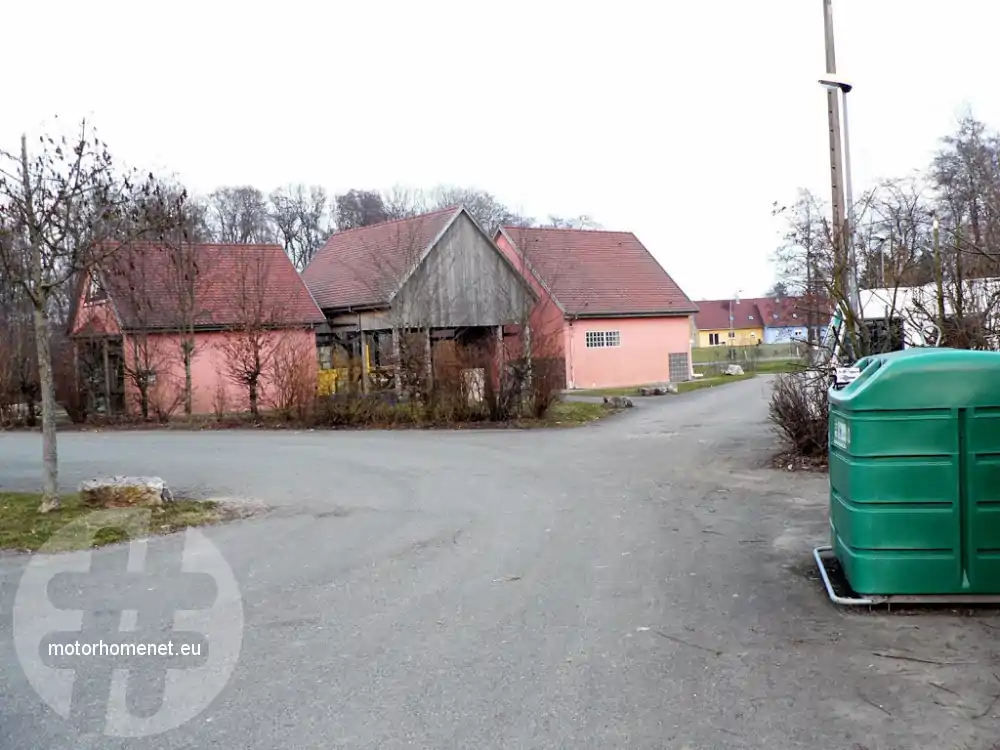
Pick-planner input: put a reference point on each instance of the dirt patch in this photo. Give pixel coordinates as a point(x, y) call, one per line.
point(787, 461)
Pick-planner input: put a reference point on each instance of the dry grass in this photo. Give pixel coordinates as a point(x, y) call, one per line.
point(23, 528)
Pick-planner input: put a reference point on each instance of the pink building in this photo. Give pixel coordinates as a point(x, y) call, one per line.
point(606, 307)
point(240, 313)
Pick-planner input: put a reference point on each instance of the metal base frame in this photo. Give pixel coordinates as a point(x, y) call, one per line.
point(872, 601)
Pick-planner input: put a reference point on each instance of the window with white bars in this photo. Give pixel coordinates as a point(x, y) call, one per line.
point(603, 339)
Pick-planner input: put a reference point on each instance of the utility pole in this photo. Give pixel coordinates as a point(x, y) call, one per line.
point(841, 231)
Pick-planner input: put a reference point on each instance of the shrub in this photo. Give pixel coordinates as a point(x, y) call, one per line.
point(799, 411)
point(548, 379)
point(293, 383)
point(361, 411)
point(164, 397)
point(220, 400)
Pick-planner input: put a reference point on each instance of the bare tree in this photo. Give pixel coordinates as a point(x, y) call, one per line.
point(240, 215)
point(19, 386)
point(360, 208)
point(484, 207)
point(583, 221)
point(181, 231)
point(928, 250)
point(250, 345)
point(401, 202)
point(185, 283)
point(301, 220)
point(135, 277)
point(62, 209)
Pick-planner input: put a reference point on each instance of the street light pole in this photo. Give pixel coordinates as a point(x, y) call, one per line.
point(852, 260)
point(843, 243)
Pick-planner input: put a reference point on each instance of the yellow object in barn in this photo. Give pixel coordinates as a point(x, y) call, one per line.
point(327, 381)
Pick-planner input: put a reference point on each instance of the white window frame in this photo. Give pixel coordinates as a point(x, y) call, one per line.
point(602, 339)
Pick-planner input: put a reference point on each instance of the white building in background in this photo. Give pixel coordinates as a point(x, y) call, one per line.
point(915, 308)
point(907, 315)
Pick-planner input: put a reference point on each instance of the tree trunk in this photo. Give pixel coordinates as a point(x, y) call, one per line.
point(253, 399)
point(50, 475)
point(107, 378)
point(40, 302)
point(187, 348)
point(529, 367)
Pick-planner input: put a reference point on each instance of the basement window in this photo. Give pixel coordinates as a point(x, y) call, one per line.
point(603, 339)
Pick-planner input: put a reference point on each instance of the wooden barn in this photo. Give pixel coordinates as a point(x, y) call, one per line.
point(435, 283)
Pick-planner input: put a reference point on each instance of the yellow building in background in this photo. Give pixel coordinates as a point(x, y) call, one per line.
point(714, 328)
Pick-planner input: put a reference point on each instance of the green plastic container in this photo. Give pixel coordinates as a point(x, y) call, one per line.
point(915, 473)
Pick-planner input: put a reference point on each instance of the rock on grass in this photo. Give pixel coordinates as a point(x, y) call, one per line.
point(118, 492)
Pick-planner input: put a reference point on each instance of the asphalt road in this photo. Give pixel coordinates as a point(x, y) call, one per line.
point(644, 582)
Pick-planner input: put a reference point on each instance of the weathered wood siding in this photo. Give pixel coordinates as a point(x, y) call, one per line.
point(464, 281)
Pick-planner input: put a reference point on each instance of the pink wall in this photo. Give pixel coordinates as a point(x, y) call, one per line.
point(99, 315)
point(208, 370)
point(548, 337)
point(642, 357)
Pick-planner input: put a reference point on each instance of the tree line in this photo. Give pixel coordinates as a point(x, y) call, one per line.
point(938, 227)
point(302, 217)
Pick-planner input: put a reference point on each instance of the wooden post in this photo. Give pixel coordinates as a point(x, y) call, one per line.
point(428, 364)
point(397, 377)
point(364, 363)
point(499, 358)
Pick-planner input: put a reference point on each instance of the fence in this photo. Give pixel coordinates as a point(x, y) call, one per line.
point(710, 355)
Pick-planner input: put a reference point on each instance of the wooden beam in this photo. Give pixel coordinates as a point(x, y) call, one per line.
point(428, 351)
point(397, 379)
point(365, 386)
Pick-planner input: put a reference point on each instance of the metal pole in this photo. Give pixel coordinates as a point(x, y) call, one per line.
point(836, 186)
point(833, 118)
point(852, 259)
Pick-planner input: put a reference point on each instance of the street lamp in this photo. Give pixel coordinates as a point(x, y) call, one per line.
point(832, 82)
point(843, 222)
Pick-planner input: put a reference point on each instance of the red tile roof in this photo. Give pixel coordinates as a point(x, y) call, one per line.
point(758, 312)
point(143, 283)
point(713, 314)
point(597, 273)
point(363, 267)
point(789, 312)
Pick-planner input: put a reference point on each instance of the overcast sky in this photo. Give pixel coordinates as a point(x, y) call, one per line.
point(682, 121)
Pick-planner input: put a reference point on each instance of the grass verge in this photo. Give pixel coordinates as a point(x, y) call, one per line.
point(778, 366)
point(761, 368)
point(697, 385)
point(23, 528)
point(573, 413)
point(692, 385)
point(630, 391)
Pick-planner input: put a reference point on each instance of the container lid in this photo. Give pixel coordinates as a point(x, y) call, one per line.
point(923, 378)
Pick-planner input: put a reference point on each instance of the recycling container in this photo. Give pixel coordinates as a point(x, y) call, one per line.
point(915, 473)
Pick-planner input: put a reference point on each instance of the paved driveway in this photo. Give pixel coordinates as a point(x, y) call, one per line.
point(638, 583)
